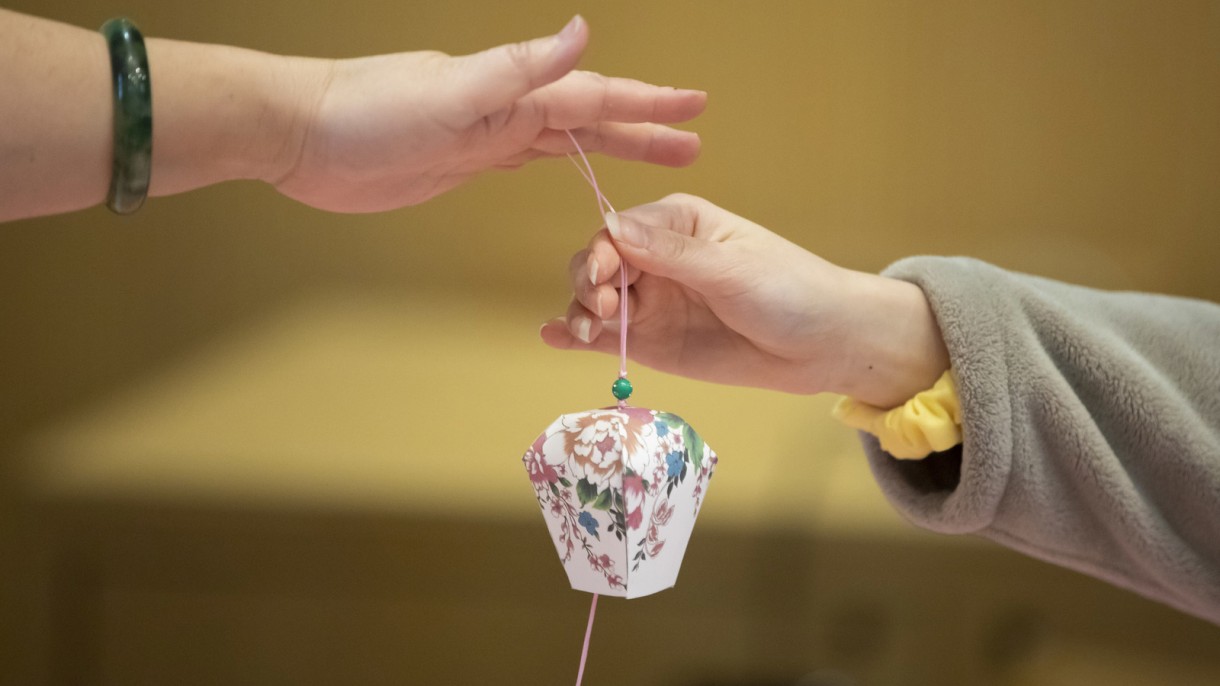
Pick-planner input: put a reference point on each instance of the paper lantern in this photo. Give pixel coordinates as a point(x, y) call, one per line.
point(620, 489)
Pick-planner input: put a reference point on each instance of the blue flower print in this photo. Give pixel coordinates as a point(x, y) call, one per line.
point(662, 429)
point(589, 523)
point(674, 462)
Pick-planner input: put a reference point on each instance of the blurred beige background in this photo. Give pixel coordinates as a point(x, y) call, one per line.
point(248, 442)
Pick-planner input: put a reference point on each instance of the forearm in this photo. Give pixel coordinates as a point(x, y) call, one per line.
point(56, 141)
point(1091, 425)
point(222, 113)
point(219, 113)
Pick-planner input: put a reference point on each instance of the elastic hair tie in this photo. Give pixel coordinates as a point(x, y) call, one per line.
point(132, 116)
point(931, 422)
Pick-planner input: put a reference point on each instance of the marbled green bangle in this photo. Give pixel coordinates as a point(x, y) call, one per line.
point(132, 116)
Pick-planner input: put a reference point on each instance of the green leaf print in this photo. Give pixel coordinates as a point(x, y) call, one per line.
point(586, 492)
point(694, 445)
point(671, 420)
point(603, 501)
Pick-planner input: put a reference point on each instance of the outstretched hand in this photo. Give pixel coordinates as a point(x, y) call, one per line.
point(719, 298)
point(399, 129)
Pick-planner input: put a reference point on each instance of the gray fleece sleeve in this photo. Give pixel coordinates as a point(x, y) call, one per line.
point(1091, 429)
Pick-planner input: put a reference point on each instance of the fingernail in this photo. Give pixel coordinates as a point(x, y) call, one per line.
point(625, 232)
point(592, 270)
point(582, 326)
point(571, 28)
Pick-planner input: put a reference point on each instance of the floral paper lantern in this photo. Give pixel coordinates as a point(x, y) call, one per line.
point(620, 489)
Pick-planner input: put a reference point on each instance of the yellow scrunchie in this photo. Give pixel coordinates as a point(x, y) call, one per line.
point(930, 422)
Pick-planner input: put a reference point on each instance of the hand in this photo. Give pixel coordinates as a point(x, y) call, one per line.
point(719, 298)
point(395, 130)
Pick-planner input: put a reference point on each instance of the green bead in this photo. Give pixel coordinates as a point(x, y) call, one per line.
point(621, 388)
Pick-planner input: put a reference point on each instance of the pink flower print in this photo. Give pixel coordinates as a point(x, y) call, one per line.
point(595, 444)
point(601, 563)
point(633, 496)
point(653, 543)
point(639, 435)
point(635, 518)
point(660, 517)
point(540, 472)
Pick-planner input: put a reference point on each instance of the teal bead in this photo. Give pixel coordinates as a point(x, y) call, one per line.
point(621, 388)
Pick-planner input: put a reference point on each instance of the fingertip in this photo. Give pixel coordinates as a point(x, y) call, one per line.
point(600, 295)
point(612, 225)
point(570, 43)
point(694, 102)
point(554, 332)
point(498, 76)
point(681, 149)
point(625, 231)
point(575, 27)
point(603, 259)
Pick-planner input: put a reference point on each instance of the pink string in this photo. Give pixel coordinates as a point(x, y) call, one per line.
point(602, 204)
point(584, 652)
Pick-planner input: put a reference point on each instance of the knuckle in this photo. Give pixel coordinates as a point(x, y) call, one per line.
point(577, 262)
point(520, 57)
point(676, 198)
point(606, 104)
point(669, 246)
point(589, 297)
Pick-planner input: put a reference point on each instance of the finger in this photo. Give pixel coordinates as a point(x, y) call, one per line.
point(602, 259)
point(495, 78)
point(597, 294)
point(653, 143)
point(582, 98)
point(691, 215)
point(556, 334)
point(611, 323)
point(519, 160)
point(584, 325)
point(584, 291)
point(603, 262)
point(665, 245)
point(571, 331)
point(578, 269)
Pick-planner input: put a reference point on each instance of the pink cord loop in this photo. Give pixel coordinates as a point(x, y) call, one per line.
point(602, 205)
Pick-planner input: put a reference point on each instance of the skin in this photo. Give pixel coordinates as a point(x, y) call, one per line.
point(719, 298)
point(355, 135)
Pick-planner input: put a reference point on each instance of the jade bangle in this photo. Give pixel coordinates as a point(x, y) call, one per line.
point(132, 116)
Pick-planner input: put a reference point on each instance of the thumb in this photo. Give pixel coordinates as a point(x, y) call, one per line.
point(666, 250)
point(499, 76)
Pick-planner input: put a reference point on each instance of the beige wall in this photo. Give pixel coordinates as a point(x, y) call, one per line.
point(1073, 139)
point(1078, 140)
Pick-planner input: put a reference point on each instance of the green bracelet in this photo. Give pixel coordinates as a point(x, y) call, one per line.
point(132, 116)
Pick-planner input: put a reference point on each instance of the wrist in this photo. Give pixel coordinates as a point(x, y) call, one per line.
point(223, 113)
point(293, 94)
point(892, 347)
